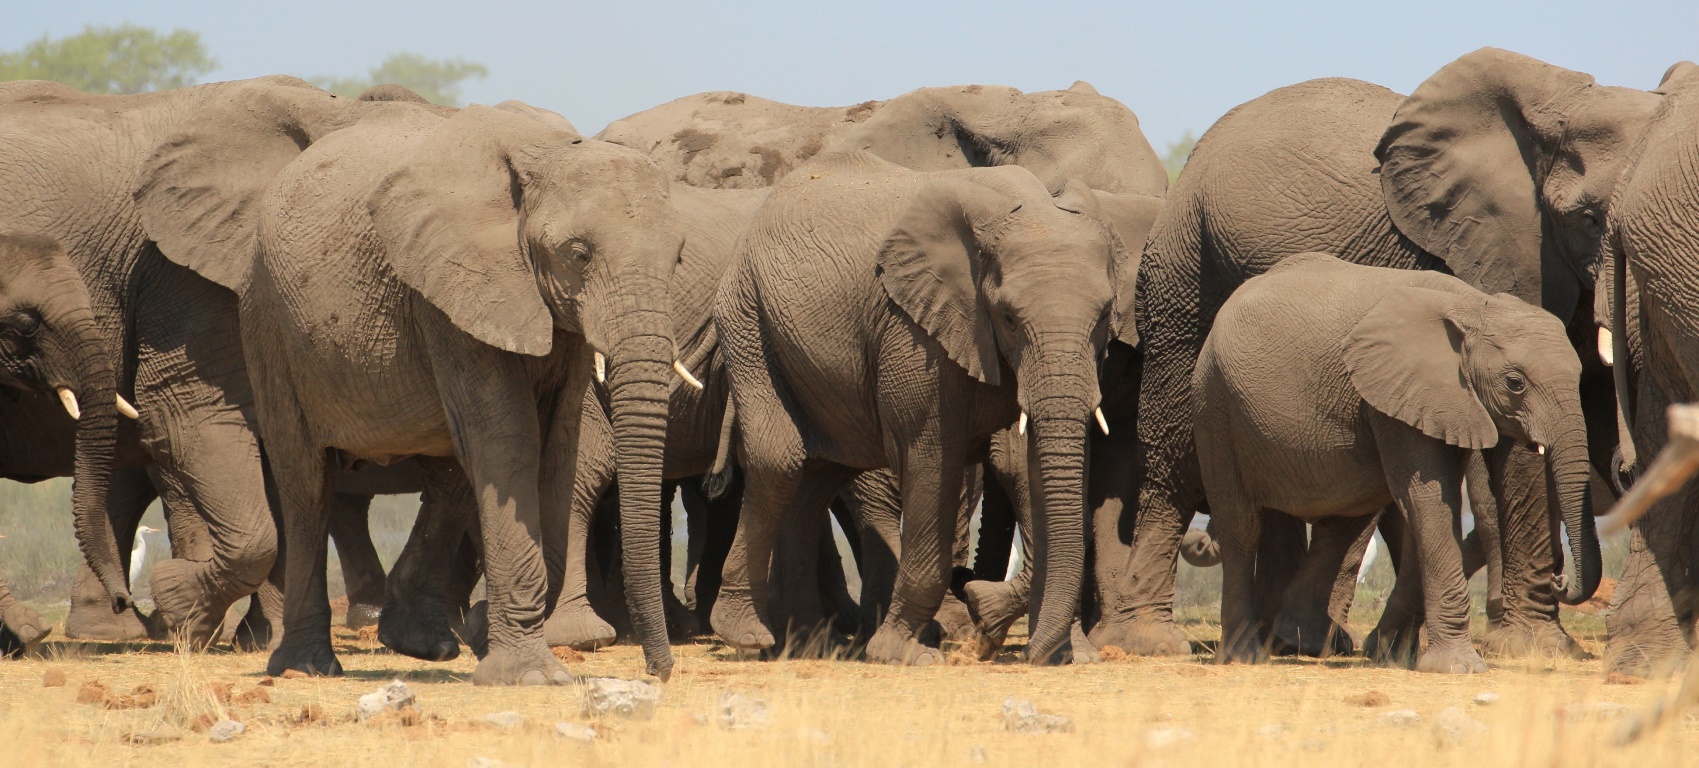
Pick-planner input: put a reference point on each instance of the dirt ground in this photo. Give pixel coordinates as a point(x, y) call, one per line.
point(1123, 712)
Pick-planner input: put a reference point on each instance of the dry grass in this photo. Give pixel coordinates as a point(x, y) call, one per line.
point(1130, 712)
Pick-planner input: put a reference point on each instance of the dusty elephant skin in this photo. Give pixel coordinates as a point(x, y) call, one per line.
point(881, 317)
point(1403, 374)
point(1488, 123)
point(1650, 306)
point(437, 286)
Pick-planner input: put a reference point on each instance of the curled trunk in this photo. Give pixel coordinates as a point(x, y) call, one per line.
point(1567, 465)
point(639, 379)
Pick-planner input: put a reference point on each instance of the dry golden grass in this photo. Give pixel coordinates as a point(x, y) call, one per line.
point(1129, 712)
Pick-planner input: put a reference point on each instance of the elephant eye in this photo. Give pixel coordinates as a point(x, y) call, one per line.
point(24, 323)
point(579, 250)
point(1515, 383)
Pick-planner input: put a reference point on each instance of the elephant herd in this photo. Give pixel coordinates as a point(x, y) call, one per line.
point(262, 305)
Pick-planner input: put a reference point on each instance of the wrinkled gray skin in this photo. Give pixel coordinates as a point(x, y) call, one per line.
point(1403, 373)
point(1650, 307)
point(1470, 174)
point(882, 317)
point(21, 628)
point(734, 140)
point(490, 252)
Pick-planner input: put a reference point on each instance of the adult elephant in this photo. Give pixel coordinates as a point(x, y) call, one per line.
point(726, 139)
point(436, 287)
point(881, 317)
point(1651, 305)
point(1497, 169)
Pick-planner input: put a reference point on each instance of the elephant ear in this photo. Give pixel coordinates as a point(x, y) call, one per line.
point(1459, 161)
point(1129, 217)
point(930, 266)
point(449, 216)
point(199, 190)
point(1405, 358)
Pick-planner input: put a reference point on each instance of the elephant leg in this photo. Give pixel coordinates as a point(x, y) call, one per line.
point(719, 527)
point(1306, 623)
point(305, 483)
point(605, 567)
point(21, 628)
point(772, 472)
point(1483, 547)
point(955, 620)
point(362, 571)
point(880, 530)
point(995, 600)
point(418, 613)
point(1530, 547)
point(574, 623)
point(681, 621)
point(262, 627)
point(1137, 527)
point(1396, 638)
point(996, 526)
point(931, 472)
point(795, 600)
point(1238, 526)
point(1280, 554)
point(1430, 498)
point(91, 616)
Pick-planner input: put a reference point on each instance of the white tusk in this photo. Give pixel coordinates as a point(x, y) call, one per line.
point(1605, 351)
point(1021, 427)
point(1540, 448)
point(684, 373)
point(1102, 423)
point(69, 399)
point(125, 408)
point(601, 369)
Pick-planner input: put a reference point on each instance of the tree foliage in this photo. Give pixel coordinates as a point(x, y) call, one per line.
point(122, 59)
point(438, 80)
point(1178, 151)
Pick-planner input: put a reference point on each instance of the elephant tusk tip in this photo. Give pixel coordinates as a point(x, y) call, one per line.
point(1020, 427)
point(1102, 423)
point(1607, 352)
point(684, 373)
point(1540, 448)
point(68, 399)
point(125, 408)
point(601, 369)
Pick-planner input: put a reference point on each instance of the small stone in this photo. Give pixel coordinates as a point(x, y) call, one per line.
point(141, 697)
point(737, 712)
point(1401, 717)
point(225, 730)
point(252, 697)
point(1112, 653)
point(1454, 728)
point(92, 692)
point(393, 696)
point(1368, 699)
point(635, 699)
point(293, 674)
point(1486, 699)
point(1022, 716)
point(1166, 736)
point(575, 732)
point(53, 678)
point(266, 682)
point(505, 720)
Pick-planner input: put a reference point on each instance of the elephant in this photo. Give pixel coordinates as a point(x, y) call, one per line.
point(1648, 302)
point(883, 317)
point(1327, 390)
point(1496, 169)
point(436, 285)
point(735, 140)
point(21, 628)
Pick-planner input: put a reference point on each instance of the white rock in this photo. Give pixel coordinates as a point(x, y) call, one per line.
point(737, 712)
point(1166, 736)
point(1486, 699)
point(1401, 717)
point(1022, 716)
point(1454, 728)
point(394, 695)
point(225, 730)
point(506, 720)
point(575, 731)
point(635, 699)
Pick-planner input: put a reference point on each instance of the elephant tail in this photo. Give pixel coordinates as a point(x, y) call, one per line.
point(719, 478)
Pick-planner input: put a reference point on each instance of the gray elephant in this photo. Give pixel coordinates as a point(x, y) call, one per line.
point(1496, 169)
point(1399, 375)
point(1650, 306)
point(21, 628)
point(882, 317)
point(727, 139)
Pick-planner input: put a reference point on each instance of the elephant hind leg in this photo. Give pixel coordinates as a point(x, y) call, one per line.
point(418, 610)
point(362, 571)
point(739, 616)
point(1308, 622)
point(797, 596)
point(305, 483)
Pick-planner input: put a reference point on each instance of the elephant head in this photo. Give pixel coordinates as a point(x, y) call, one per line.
point(1467, 369)
point(1014, 284)
point(516, 229)
point(1058, 135)
point(50, 342)
point(1502, 166)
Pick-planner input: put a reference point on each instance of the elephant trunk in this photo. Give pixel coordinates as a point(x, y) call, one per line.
point(639, 380)
point(1567, 465)
point(1062, 399)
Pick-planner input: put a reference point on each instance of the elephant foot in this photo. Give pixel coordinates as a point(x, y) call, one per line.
point(1320, 638)
point(255, 633)
point(417, 628)
point(1459, 659)
point(956, 623)
point(96, 621)
point(311, 657)
point(474, 628)
point(1542, 640)
point(1142, 637)
point(735, 621)
point(1080, 648)
point(184, 607)
point(682, 624)
point(1246, 645)
point(575, 625)
point(1393, 646)
point(362, 615)
point(891, 645)
point(995, 607)
point(530, 664)
point(21, 629)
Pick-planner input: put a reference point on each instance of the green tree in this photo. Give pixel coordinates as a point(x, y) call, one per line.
point(438, 80)
point(1178, 151)
point(122, 59)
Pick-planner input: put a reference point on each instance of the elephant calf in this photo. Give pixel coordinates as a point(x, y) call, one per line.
point(1327, 390)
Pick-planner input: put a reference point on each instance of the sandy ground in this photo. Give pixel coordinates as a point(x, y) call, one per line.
point(1125, 712)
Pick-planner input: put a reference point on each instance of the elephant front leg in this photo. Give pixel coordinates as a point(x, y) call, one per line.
point(304, 483)
point(573, 623)
point(1530, 556)
point(1425, 477)
point(20, 627)
point(932, 480)
point(419, 608)
point(1307, 622)
point(1138, 526)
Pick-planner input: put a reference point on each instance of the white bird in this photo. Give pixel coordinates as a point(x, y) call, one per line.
point(145, 537)
point(1368, 558)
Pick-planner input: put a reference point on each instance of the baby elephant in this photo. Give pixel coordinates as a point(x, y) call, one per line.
point(1327, 390)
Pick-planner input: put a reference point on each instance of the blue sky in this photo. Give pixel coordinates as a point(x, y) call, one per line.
point(1179, 65)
